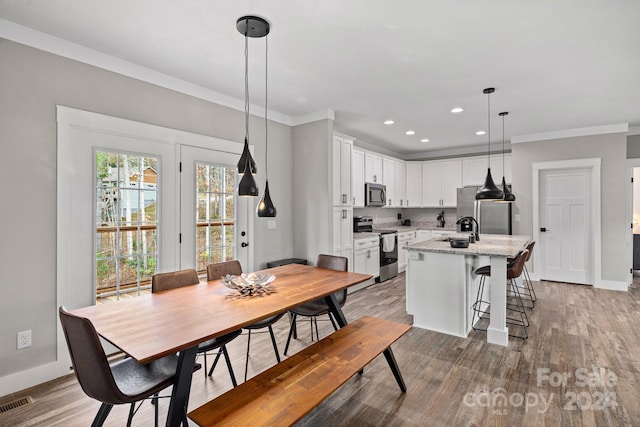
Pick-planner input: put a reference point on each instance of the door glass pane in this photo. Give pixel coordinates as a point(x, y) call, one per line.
point(215, 214)
point(126, 224)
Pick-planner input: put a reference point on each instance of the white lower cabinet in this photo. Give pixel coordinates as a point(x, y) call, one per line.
point(404, 238)
point(343, 232)
point(366, 256)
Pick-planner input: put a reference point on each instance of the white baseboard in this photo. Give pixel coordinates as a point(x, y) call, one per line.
point(612, 285)
point(21, 380)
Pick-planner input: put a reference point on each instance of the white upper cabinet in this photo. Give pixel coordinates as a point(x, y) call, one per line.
point(414, 185)
point(357, 178)
point(341, 171)
point(372, 167)
point(474, 169)
point(389, 180)
point(401, 184)
point(440, 181)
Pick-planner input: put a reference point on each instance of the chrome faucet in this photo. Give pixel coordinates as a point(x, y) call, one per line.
point(474, 229)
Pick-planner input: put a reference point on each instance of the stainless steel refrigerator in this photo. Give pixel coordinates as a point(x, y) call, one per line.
point(493, 217)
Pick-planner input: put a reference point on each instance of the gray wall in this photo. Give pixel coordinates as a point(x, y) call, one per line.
point(32, 83)
point(633, 147)
point(312, 222)
point(611, 149)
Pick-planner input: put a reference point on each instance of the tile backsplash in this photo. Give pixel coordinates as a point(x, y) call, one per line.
point(417, 215)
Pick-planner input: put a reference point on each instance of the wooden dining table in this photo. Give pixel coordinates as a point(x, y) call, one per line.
point(176, 321)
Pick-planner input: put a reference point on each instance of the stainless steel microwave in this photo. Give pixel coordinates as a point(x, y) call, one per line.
point(375, 194)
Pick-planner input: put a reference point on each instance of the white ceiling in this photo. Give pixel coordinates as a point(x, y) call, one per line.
point(555, 64)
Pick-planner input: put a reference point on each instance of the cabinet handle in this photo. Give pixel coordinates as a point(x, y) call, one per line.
point(369, 254)
point(401, 202)
point(354, 200)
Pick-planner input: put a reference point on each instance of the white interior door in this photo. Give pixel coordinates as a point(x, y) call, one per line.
point(214, 221)
point(565, 243)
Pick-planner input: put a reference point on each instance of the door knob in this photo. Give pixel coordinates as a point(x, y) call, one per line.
point(543, 229)
point(244, 244)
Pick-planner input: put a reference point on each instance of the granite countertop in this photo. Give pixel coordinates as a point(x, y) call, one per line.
point(489, 244)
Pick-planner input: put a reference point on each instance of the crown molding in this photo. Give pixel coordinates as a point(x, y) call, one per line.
point(571, 133)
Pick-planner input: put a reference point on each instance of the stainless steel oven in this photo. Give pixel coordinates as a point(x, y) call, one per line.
point(388, 254)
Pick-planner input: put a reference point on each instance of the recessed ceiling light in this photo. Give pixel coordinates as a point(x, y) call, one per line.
point(424, 140)
point(457, 110)
point(389, 122)
point(410, 132)
point(480, 132)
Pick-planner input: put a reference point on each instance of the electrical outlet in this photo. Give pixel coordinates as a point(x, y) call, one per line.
point(271, 224)
point(24, 339)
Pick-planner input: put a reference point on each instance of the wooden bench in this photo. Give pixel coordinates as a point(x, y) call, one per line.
point(289, 390)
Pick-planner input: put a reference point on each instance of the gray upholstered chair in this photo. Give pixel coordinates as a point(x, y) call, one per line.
point(122, 382)
point(177, 279)
point(233, 267)
point(319, 307)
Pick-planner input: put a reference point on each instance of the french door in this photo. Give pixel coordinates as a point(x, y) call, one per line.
point(214, 220)
point(125, 211)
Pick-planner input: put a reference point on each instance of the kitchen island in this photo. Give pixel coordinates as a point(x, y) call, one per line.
point(442, 286)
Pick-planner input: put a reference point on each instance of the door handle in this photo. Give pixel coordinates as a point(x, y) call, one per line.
point(244, 244)
point(543, 229)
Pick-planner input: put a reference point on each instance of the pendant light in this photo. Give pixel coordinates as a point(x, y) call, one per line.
point(266, 207)
point(489, 190)
point(508, 195)
point(249, 26)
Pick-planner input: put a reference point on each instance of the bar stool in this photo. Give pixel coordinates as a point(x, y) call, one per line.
point(526, 290)
point(514, 297)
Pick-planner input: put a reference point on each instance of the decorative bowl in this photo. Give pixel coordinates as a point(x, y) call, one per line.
point(250, 283)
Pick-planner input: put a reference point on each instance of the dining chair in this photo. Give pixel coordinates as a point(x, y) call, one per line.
point(233, 267)
point(178, 279)
point(319, 307)
point(122, 382)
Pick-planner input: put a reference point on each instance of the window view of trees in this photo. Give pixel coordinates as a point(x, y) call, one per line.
point(126, 223)
point(215, 226)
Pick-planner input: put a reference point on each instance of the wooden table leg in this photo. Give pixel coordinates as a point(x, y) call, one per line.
point(180, 393)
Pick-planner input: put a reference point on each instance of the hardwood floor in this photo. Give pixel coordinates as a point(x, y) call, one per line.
point(588, 337)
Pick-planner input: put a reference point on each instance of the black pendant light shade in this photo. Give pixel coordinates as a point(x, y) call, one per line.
point(247, 186)
point(266, 207)
point(508, 195)
point(246, 154)
point(489, 190)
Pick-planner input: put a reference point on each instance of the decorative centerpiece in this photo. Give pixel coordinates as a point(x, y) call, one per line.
point(249, 284)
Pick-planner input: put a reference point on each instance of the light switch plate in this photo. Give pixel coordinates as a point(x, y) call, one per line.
point(516, 218)
point(271, 224)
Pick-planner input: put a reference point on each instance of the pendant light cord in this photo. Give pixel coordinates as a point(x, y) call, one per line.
point(246, 83)
point(503, 145)
point(266, 80)
point(489, 130)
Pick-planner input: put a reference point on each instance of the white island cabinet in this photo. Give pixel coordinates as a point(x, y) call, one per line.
point(442, 286)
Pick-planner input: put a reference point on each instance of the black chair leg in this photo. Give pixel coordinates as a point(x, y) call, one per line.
point(315, 322)
point(246, 358)
point(104, 410)
point(273, 341)
point(333, 322)
point(215, 362)
point(291, 330)
point(155, 404)
point(226, 358)
point(132, 411)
